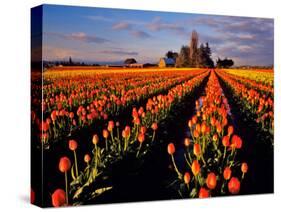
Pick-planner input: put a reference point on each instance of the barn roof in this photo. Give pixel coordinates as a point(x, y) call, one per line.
point(169, 61)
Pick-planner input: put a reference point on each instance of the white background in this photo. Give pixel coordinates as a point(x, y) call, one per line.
point(14, 105)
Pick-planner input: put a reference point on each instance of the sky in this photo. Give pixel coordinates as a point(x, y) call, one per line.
point(110, 35)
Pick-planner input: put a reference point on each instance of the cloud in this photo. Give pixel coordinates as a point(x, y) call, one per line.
point(58, 53)
point(140, 34)
point(120, 52)
point(121, 26)
point(79, 36)
point(157, 25)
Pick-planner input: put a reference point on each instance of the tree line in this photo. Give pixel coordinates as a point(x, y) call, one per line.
point(193, 56)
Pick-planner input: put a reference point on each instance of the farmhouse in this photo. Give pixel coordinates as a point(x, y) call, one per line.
point(166, 62)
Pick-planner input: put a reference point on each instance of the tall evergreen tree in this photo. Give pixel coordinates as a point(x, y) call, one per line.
point(194, 48)
point(183, 57)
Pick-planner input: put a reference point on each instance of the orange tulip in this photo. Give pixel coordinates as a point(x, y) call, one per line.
point(186, 142)
point(154, 126)
point(225, 141)
point(105, 133)
point(186, 178)
point(141, 137)
point(95, 139)
point(244, 167)
point(87, 158)
point(197, 149)
point(227, 173)
point(230, 130)
point(195, 167)
point(211, 180)
point(72, 144)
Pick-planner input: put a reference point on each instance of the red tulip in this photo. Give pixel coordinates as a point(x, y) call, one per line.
point(171, 149)
point(234, 185)
point(236, 142)
point(64, 164)
point(203, 193)
point(110, 126)
point(72, 144)
point(154, 126)
point(211, 180)
point(59, 198)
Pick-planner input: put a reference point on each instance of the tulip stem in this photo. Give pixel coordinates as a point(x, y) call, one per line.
point(175, 166)
point(139, 149)
point(76, 166)
point(66, 189)
point(224, 153)
point(106, 145)
point(153, 136)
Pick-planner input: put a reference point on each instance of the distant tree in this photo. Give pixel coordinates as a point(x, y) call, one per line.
point(194, 48)
point(183, 59)
point(171, 54)
point(70, 61)
point(130, 61)
point(226, 63)
point(204, 56)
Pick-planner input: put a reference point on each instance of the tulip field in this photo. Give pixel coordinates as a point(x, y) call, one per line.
point(119, 135)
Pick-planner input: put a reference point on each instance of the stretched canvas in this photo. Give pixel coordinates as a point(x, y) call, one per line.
point(132, 105)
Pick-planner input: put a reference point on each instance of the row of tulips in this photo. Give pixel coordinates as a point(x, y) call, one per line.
point(252, 83)
point(211, 168)
point(116, 143)
point(251, 100)
point(106, 101)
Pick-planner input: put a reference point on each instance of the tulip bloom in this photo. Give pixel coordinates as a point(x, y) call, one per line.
point(244, 169)
point(171, 151)
point(230, 130)
point(105, 135)
point(87, 158)
point(211, 180)
point(154, 127)
point(195, 167)
point(141, 138)
point(186, 142)
point(64, 166)
point(236, 142)
point(110, 126)
point(95, 139)
point(203, 193)
point(227, 173)
point(59, 198)
point(197, 150)
point(186, 178)
point(234, 185)
point(73, 146)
